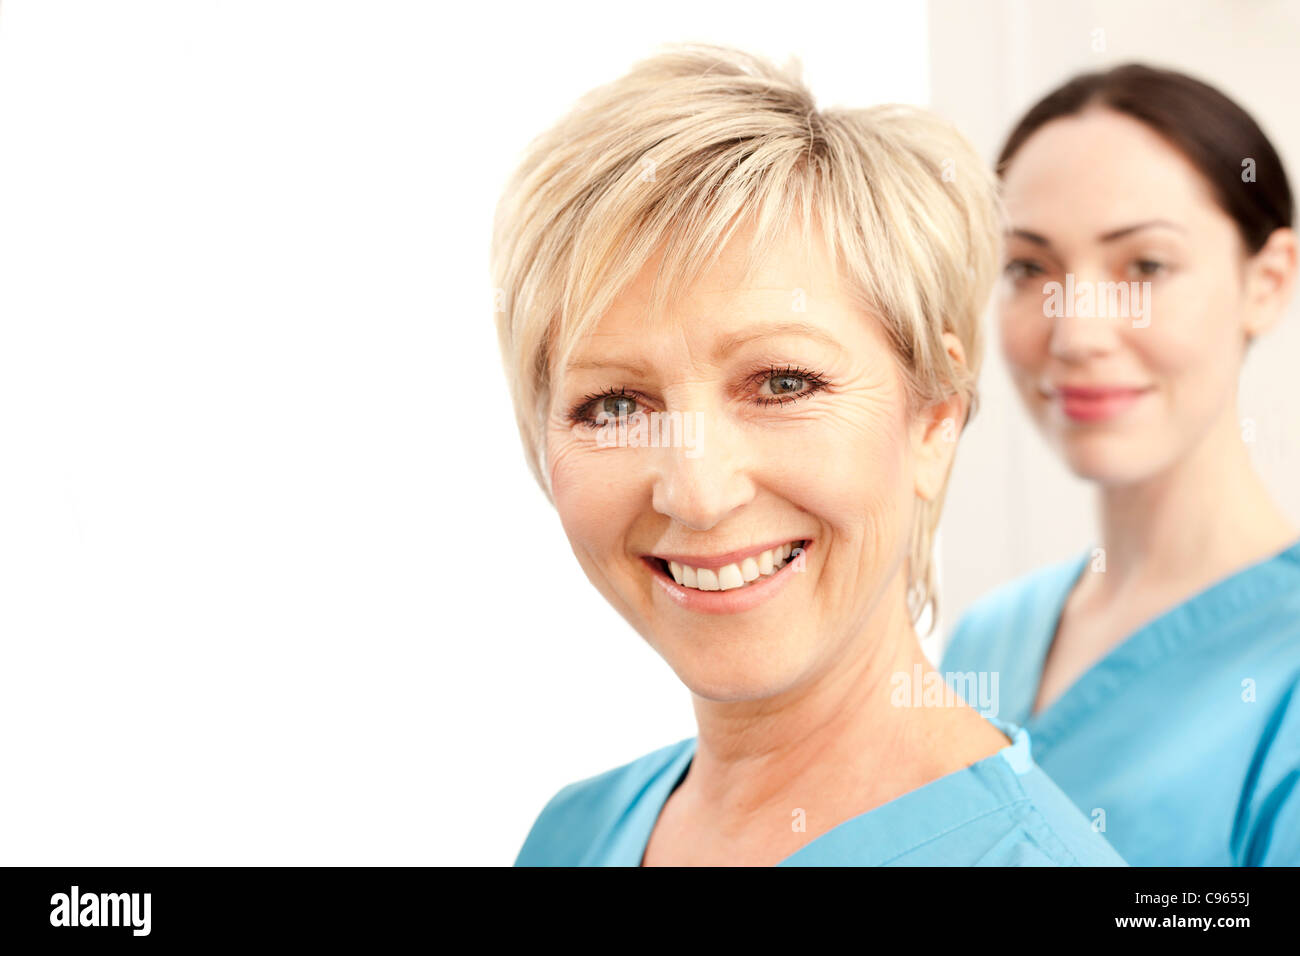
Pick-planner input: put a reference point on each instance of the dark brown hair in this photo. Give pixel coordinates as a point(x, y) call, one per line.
point(1213, 132)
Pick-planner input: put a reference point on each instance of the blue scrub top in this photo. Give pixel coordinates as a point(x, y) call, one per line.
point(1186, 736)
point(1001, 811)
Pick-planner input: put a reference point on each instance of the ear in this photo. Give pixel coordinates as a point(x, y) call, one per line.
point(1270, 277)
point(935, 431)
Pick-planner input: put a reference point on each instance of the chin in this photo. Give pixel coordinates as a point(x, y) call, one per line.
point(1108, 459)
point(740, 673)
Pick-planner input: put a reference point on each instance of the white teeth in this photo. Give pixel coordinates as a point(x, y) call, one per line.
point(729, 577)
point(733, 575)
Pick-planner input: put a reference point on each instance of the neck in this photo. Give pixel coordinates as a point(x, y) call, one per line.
point(1207, 514)
point(837, 732)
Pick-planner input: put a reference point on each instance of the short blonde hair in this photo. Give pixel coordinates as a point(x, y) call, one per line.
point(673, 155)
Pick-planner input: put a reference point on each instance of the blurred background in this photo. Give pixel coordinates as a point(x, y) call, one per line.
point(276, 586)
point(1013, 506)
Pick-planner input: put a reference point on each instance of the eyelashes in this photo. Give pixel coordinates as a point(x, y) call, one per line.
point(1018, 269)
point(778, 378)
point(1141, 267)
point(581, 412)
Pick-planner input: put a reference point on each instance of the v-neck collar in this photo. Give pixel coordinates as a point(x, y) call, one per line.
point(1195, 621)
point(874, 837)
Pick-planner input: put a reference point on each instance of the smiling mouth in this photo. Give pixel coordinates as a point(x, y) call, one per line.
point(730, 577)
point(1091, 404)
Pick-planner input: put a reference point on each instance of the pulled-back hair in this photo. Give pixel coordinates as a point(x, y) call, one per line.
point(1212, 131)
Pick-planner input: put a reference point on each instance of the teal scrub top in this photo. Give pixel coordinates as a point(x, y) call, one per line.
point(1183, 742)
point(1001, 811)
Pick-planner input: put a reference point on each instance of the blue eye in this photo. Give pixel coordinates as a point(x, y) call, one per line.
point(600, 408)
point(776, 386)
point(789, 384)
point(617, 406)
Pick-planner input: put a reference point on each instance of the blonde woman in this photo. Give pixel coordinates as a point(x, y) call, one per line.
point(741, 339)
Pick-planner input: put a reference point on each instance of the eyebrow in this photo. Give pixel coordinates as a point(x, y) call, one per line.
point(724, 346)
point(1109, 236)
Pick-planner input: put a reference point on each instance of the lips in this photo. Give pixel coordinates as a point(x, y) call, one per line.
point(729, 583)
point(719, 574)
point(729, 557)
point(1094, 403)
point(1099, 392)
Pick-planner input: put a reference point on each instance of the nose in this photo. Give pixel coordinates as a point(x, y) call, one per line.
point(701, 487)
point(1075, 336)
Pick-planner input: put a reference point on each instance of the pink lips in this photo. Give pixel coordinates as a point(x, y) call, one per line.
point(1086, 403)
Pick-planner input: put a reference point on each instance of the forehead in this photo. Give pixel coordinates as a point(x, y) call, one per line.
point(1100, 169)
point(793, 283)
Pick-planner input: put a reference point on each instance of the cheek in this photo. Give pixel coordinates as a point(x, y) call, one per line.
point(852, 470)
point(1192, 344)
point(1025, 336)
point(592, 493)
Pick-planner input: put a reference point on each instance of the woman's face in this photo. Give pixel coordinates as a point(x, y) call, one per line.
point(1123, 390)
point(796, 429)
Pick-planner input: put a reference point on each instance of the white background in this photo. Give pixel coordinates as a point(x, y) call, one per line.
point(275, 583)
